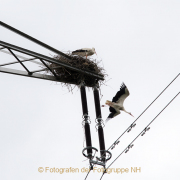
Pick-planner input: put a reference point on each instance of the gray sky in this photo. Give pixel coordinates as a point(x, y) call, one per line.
point(138, 43)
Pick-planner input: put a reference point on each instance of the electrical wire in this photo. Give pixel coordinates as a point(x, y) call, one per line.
point(139, 134)
point(115, 142)
point(87, 175)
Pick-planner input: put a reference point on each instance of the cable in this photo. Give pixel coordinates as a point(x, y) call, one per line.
point(116, 142)
point(91, 168)
point(132, 124)
point(87, 175)
point(139, 134)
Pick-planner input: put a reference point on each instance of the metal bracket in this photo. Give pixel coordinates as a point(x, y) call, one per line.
point(128, 148)
point(105, 151)
point(115, 143)
point(86, 119)
point(144, 131)
point(98, 163)
point(131, 126)
point(99, 122)
point(87, 156)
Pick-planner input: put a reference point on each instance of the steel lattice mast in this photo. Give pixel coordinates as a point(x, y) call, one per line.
point(44, 59)
point(35, 74)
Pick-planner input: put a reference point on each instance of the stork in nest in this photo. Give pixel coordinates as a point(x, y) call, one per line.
point(84, 52)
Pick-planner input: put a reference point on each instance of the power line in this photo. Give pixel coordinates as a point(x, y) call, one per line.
point(87, 175)
point(144, 130)
point(133, 124)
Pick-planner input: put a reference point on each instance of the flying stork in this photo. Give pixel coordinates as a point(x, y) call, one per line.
point(84, 52)
point(117, 103)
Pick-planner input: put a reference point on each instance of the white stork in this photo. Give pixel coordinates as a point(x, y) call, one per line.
point(117, 103)
point(84, 52)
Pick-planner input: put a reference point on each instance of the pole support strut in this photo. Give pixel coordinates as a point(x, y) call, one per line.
point(86, 125)
point(99, 126)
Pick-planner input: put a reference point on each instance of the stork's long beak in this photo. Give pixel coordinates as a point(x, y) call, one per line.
point(131, 115)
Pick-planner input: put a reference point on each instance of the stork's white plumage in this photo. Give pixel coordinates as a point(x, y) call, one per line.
point(117, 102)
point(84, 52)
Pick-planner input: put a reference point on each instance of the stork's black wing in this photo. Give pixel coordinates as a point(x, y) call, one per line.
point(111, 115)
point(79, 50)
point(117, 96)
point(119, 93)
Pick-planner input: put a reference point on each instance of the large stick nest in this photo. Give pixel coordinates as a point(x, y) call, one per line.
point(68, 76)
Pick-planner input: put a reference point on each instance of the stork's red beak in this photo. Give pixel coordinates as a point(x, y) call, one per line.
point(131, 115)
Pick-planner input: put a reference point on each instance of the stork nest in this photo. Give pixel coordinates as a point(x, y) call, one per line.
point(68, 76)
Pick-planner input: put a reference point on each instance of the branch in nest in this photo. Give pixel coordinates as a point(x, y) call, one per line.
point(69, 76)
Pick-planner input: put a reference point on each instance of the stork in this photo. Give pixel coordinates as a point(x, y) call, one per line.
point(84, 52)
point(117, 103)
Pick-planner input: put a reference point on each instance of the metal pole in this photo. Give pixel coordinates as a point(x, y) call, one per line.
point(86, 122)
point(84, 100)
point(33, 39)
point(51, 60)
point(99, 124)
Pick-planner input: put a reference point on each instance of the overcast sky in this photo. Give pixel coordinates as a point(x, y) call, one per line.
point(138, 43)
